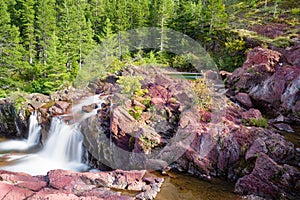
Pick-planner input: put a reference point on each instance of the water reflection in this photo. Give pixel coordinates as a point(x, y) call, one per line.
point(185, 187)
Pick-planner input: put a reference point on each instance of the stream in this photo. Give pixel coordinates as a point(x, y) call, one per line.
point(64, 150)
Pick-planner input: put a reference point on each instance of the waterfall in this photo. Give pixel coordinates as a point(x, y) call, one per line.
point(34, 130)
point(63, 148)
point(65, 142)
point(33, 138)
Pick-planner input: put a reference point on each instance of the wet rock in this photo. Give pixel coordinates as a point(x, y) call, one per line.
point(284, 127)
point(13, 123)
point(89, 108)
point(244, 99)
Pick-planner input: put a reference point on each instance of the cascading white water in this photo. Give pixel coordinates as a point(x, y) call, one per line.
point(65, 143)
point(63, 148)
point(34, 130)
point(34, 134)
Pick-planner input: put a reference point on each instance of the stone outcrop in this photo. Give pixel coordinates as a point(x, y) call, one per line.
point(62, 184)
point(270, 180)
point(271, 82)
point(13, 123)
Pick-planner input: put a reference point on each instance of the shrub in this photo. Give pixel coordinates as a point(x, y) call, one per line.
point(202, 93)
point(262, 122)
point(130, 84)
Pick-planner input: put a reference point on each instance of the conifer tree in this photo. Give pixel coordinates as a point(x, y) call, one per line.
point(215, 15)
point(45, 27)
point(27, 15)
point(75, 34)
point(10, 52)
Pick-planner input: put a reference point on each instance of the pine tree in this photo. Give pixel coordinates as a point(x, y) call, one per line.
point(10, 52)
point(75, 34)
point(215, 15)
point(45, 27)
point(188, 17)
point(95, 14)
point(27, 27)
point(165, 12)
point(138, 13)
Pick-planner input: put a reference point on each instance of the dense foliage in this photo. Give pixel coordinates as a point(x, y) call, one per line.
point(45, 42)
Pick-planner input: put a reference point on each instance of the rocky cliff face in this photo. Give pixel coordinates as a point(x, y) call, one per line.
point(12, 122)
point(272, 80)
point(229, 147)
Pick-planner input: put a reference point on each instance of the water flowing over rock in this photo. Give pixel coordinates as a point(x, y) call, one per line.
point(63, 150)
point(33, 138)
point(34, 131)
point(62, 184)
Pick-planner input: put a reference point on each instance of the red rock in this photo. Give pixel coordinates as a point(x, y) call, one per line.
point(252, 113)
point(23, 180)
point(160, 92)
point(67, 181)
point(262, 60)
point(284, 127)
point(54, 195)
point(122, 122)
point(55, 111)
point(62, 105)
point(11, 192)
point(205, 116)
point(292, 55)
point(269, 90)
point(157, 101)
point(244, 99)
point(260, 181)
point(257, 147)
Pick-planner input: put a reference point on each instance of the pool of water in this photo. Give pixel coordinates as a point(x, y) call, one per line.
point(185, 187)
point(293, 137)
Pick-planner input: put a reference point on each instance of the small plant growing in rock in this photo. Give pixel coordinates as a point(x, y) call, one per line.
point(203, 94)
point(262, 122)
point(136, 112)
point(147, 143)
point(130, 84)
